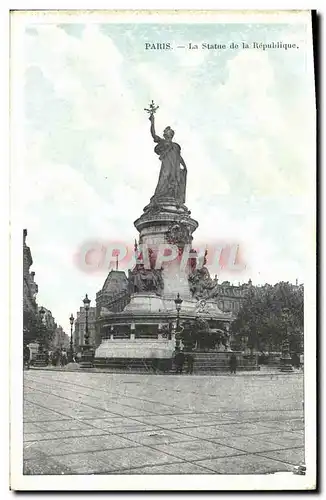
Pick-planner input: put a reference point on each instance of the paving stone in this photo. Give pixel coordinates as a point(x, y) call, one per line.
point(116, 422)
point(293, 456)
point(83, 463)
point(179, 426)
point(246, 429)
point(197, 418)
point(244, 464)
point(134, 457)
point(129, 411)
point(63, 425)
point(31, 427)
point(299, 433)
point(32, 451)
point(161, 420)
point(174, 469)
point(206, 432)
point(47, 467)
point(287, 425)
point(287, 439)
point(145, 406)
point(130, 429)
point(197, 449)
point(151, 425)
point(80, 444)
point(158, 436)
point(268, 415)
point(41, 416)
point(248, 444)
point(41, 436)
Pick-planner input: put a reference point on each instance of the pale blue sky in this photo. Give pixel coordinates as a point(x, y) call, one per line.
point(244, 120)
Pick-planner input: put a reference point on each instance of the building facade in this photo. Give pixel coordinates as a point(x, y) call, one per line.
point(60, 339)
point(231, 297)
point(115, 292)
point(31, 310)
point(30, 289)
point(48, 319)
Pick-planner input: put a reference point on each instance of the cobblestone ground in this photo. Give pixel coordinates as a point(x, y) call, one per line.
point(104, 423)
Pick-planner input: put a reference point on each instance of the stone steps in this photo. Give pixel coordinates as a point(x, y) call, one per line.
point(212, 362)
point(134, 364)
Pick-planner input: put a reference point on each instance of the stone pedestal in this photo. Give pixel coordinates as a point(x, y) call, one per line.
point(40, 360)
point(286, 361)
point(152, 296)
point(135, 349)
point(218, 361)
point(286, 365)
point(157, 221)
point(87, 358)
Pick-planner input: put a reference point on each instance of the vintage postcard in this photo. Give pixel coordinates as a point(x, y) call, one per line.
point(163, 169)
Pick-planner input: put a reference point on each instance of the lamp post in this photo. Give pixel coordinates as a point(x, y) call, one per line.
point(178, 301)
point(41, 313)
point(40, 358)
point(86, 307)
point(87, 355)
point(71, 319)
point(286, 361)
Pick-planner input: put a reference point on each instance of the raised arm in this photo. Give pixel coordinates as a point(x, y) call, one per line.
point(156, 138)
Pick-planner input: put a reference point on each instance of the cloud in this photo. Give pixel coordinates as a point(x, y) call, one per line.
point(266, 136)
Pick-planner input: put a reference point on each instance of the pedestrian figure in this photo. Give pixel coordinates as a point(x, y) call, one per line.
point(46, 357)
point(63, 359)
point(54, 358)
point(190, 363)
point(296, 360)
point(27, 355)
point(155, 365)
point(233, 363)
point(179, 360)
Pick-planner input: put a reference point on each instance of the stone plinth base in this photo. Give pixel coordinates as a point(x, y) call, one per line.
point(39, 360)
point(219, 361)
point(87, 357)
point(157, 219)
point(158, 355)
point(286, 365)
point(135, 349)
point(136, 364)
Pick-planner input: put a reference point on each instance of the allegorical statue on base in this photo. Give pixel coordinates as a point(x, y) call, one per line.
point(173, 174)
point(146, 280)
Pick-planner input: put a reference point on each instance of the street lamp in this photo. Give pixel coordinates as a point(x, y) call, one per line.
point(41, 313)
point(87, 354)
point(286, 361)
point(86, 306)
point(71, 319)
point(178, 301)
point(40, 358)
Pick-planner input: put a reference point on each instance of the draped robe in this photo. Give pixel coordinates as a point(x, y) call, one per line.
point(172, 179)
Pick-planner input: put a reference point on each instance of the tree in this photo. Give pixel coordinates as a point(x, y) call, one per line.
point(269, 314)
point(29, 326)
point(34, 330)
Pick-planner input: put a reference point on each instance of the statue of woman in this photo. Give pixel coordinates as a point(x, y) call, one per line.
point(173, 173)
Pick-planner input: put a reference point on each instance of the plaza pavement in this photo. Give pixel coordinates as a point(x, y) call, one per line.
point(105, 423)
